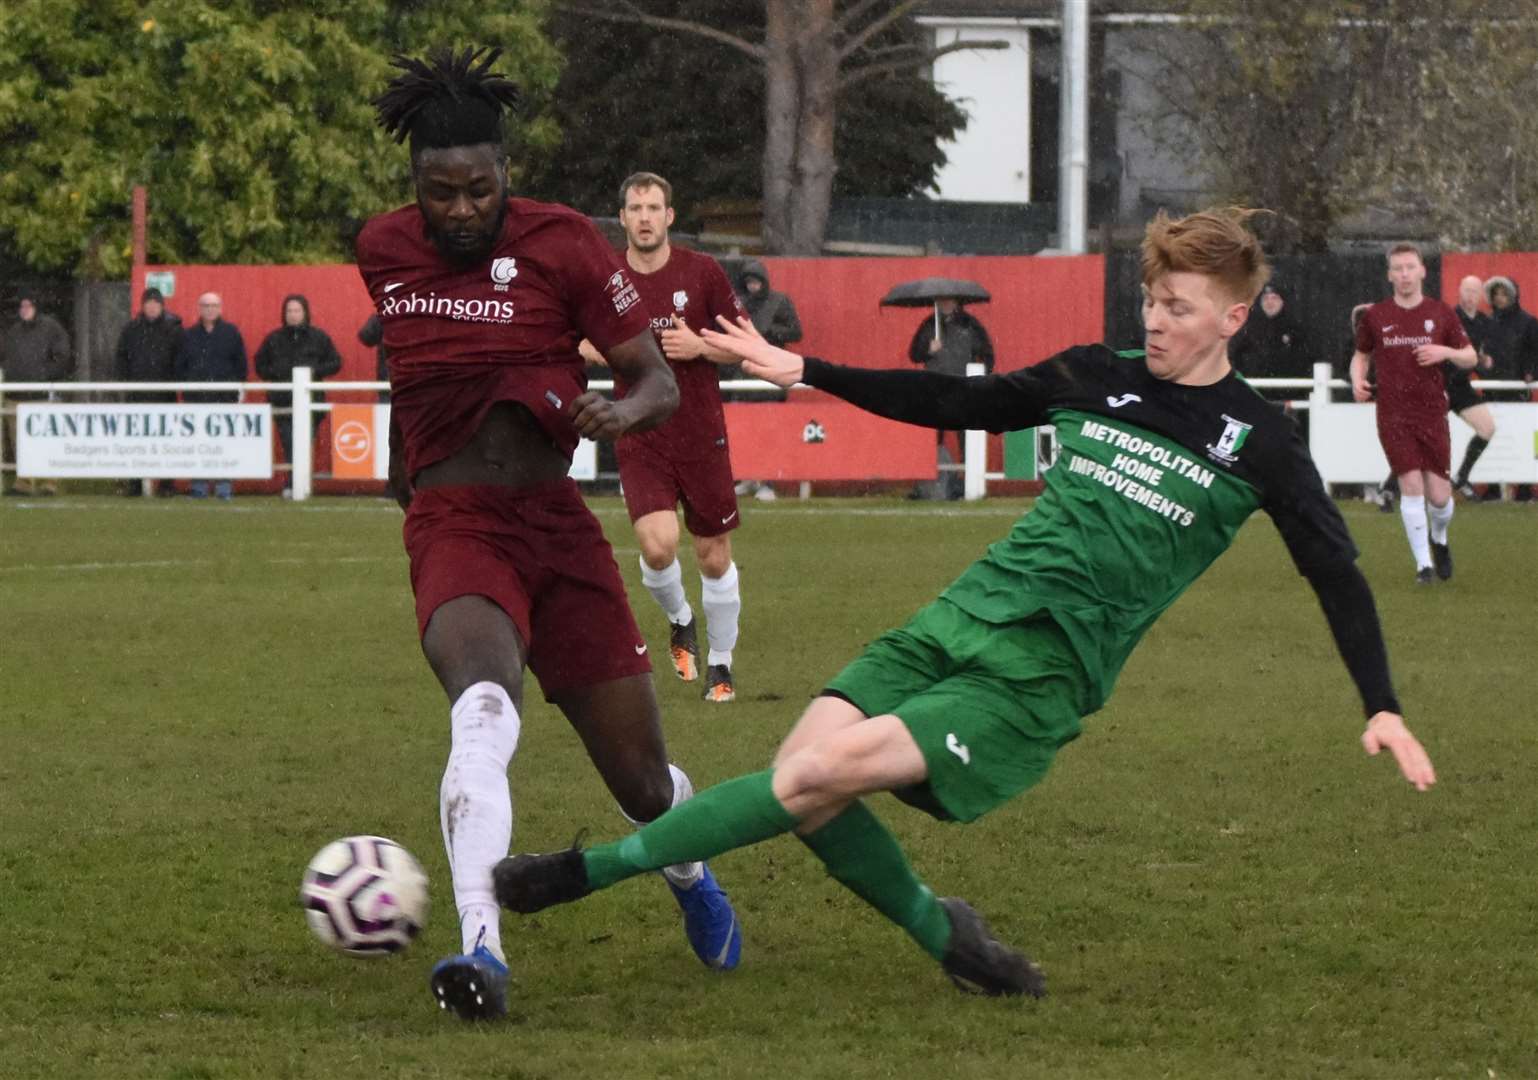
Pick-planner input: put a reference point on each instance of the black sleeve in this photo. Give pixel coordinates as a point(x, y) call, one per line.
point(1527, 363)
point(950, 402)
point(1323, 551)
point(1353, 617)
point(263, 360)
point(371, 333)
point(918, 350)
point(787, 322)
point(330, 359)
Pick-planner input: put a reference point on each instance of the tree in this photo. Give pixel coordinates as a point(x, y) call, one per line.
point(690, 108)
point(812, 55)
point(248, 120)
point(1320, 109)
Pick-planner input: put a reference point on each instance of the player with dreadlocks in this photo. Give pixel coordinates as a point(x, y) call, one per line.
point(483, 299)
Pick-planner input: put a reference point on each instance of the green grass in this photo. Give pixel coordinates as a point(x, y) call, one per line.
point(194, 698)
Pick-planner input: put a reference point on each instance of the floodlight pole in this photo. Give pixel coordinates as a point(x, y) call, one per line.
point(1073, 160)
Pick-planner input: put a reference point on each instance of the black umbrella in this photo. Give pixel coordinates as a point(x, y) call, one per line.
point(931, 290)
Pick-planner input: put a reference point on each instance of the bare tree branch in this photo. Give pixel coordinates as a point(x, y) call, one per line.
point(853, 15)
point(855, 43)
point(623, 11)
point(860, 74)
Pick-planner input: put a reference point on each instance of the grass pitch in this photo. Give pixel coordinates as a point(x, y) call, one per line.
point(195, 697)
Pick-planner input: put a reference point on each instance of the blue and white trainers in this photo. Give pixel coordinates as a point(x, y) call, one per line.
point(709, 922)
point(473, 985)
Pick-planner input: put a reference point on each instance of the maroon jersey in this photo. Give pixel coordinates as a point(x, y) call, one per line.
point(1389, 334)
point(506, 328)
point(693, 287)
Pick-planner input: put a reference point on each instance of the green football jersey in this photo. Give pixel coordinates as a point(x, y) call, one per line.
point(1152, 481)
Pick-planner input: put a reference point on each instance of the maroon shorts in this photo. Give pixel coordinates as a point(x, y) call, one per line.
point(652, 482)
point(539, 555)
point(1415, 442)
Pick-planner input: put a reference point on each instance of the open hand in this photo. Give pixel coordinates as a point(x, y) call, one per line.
point(759, 359)
point(1387, 730)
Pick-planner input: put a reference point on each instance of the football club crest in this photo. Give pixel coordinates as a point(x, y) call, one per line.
point(502, 271)
point(1226, 449)
point(680, 300)
point(1430, 325)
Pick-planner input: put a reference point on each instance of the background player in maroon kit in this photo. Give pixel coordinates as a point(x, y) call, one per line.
point(483, 299)
point(684, 460)
point(1407, 338)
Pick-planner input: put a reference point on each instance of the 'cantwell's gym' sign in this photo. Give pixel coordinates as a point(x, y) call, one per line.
point(210, 442)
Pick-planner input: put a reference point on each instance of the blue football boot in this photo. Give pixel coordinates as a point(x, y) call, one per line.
point(473, 984)
point(709, 922)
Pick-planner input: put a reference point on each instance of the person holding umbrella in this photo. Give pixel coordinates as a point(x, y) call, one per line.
point(945, 343)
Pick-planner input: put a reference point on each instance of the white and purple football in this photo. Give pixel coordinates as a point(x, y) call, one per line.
point(364, 896)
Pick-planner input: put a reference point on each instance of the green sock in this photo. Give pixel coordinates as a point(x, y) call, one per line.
point(864, 857)
point(730, 815)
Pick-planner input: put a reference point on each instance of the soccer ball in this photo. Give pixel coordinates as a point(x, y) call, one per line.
point(364, 895)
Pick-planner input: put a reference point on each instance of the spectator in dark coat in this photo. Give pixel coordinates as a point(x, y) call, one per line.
point(1512, 336)
point(773, 313)
point(1272, 344)
point(294, 344)
point(35, 348)
point(1512, 342)
point(146, 352)
point(961, 340)
point(212, 350)
point(947, 344)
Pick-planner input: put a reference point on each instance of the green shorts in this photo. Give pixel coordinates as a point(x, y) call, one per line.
point(989, 705)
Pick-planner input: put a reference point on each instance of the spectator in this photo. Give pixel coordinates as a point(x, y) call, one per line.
point(773, 313)
point(774, 316)
point(293, 345)
point(212, 350)
point(35, 349)
point(146, 352)
point(958, 340)
point(371, 333)
point(946, 345)
point(1271, 344)
point(1512, 342)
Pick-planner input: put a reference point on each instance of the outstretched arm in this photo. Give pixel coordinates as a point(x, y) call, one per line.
point(1353, 617)
point(949, 402)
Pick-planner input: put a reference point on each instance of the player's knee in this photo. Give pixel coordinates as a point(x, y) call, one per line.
point(714, 561)
point(647, 796)
point(813, 772)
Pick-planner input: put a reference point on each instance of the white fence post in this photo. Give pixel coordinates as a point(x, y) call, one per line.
point(1318, 401)
point(975, 451)
point(303, 463)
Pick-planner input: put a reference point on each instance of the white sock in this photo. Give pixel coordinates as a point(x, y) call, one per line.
point(683, 875)
point(1441, 517)
point(1412, 508)
point(723, 604)
point(475, 806)
point(667, 588)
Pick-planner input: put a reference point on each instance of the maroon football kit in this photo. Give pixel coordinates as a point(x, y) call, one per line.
point(685, 460)
point(1412, 399)
point(506, 328)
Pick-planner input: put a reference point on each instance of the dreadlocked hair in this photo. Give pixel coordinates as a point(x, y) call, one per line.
point(448, 99)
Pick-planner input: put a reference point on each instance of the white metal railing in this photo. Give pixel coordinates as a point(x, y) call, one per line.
point(304, 388)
